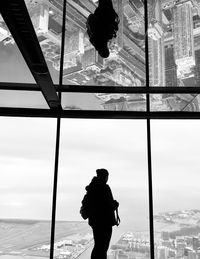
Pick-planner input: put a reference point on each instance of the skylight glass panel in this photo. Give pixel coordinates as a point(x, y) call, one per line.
point(125, 65)
point(175, 102)
point(104, 101)
point(46, 17)
point(22, 99)
point(173, 36)
point(12, 65)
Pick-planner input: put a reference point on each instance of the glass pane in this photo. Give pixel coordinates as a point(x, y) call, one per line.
point(46, 17)
point(26, 165)
point(175, 146)
point(103, 143)
point(104, 101)
point(175, 102)
point(174, 43)
point(126, 64)
point(22, 99)
point(12, 65)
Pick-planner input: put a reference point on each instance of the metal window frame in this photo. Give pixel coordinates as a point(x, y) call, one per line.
point(103, 89)
point(57, 147)
point(148, 115)
point(149, 157)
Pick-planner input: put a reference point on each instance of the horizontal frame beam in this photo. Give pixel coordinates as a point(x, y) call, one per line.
point(103, 89)
point(91, 114)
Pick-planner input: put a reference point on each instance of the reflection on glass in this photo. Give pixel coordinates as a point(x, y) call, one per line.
point(156, 44)
point(126, 64)
point(175, 146)
point(22, 99)
point(26, 165)
point(104, 101)
point(12, 65)
point(82, 64)
point(174, 53)
point(90, 144)
point(46, 17)
point(175, 102)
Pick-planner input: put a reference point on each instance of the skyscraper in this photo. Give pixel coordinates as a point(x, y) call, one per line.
point(156, 45)
point(183, 37)
point(197, 67)
point(165, 235)
point(170, 67)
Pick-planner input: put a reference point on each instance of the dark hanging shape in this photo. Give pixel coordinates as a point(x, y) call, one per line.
point(102, 26)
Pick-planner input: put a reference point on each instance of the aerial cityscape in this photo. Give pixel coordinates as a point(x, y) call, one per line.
point(176, 235)
point(174, 52)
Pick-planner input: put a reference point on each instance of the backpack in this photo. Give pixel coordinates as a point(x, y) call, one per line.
point(85, 209)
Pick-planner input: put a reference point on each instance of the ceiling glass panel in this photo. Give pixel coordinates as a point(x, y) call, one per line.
point(174, 50)
point(175, 102)
point(22, 99)
point(126, 64)
point(46, 17)
point(12, 65)
point(104, 101)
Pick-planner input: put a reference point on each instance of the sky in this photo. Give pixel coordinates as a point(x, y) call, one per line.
point(27, 165)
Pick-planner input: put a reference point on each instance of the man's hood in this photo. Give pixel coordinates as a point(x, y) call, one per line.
point(94, 184)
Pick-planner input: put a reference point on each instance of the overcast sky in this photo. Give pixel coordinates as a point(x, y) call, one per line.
point(27, 165)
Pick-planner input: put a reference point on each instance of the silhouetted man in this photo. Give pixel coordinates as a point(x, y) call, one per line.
point(102, 215)
point(102, 26)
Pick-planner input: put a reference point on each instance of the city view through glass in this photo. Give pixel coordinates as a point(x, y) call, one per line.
point(28, 145)
point(119, 146)
point(174, 52)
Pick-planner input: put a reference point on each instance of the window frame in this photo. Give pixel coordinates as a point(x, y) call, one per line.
point(91, 114)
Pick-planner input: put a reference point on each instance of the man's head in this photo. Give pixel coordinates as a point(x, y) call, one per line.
point(102, 174)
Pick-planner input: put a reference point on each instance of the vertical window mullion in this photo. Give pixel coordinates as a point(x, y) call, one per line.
point(55, 189)
point(53, 219)
point(149, 158)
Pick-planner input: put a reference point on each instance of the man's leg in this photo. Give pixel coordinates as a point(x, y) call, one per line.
point(102, 236)
point(96, 252)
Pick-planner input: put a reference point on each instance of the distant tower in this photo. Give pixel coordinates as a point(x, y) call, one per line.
point(183, 37)
point(165, 235)
point(198, 254)
point(48, 31)
point(195, 243)
point(191, 255)
point(197, 67)
point(170, 67)
point(116, 104)
point(162, 252)
point(156, 45)
point(92, 60)
point(40, 18)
